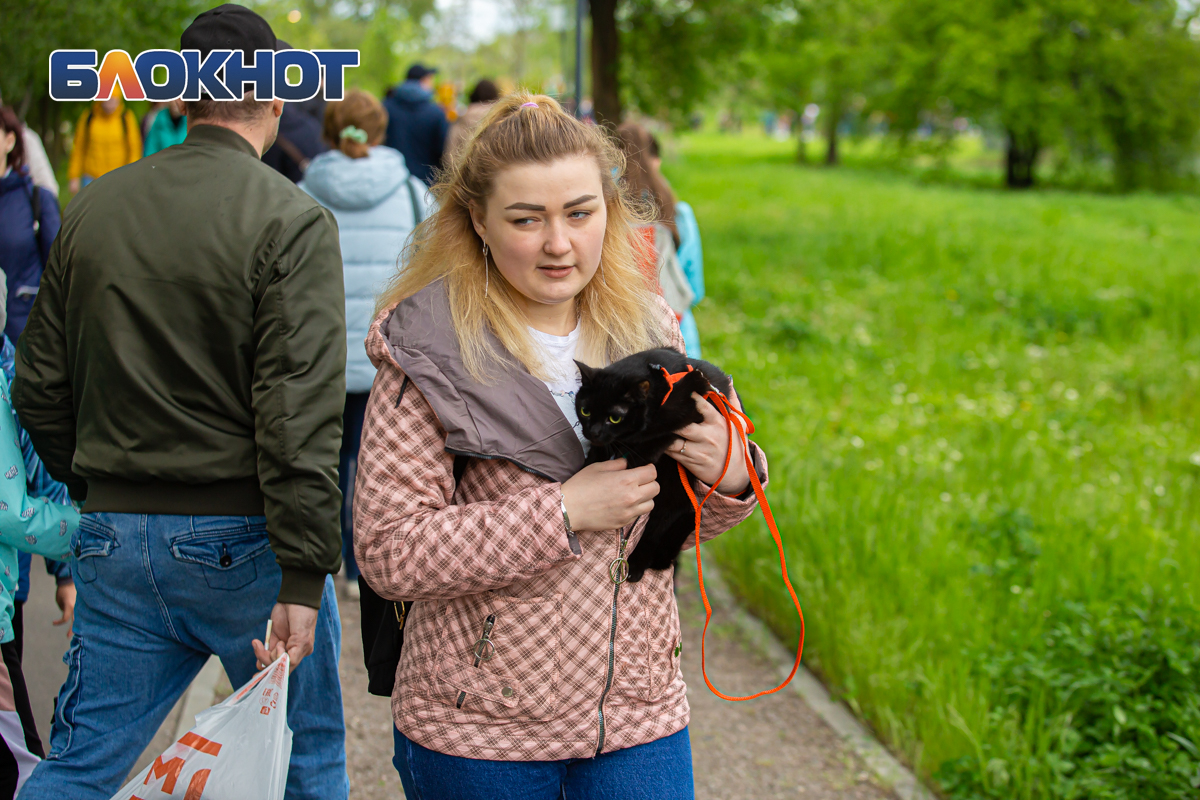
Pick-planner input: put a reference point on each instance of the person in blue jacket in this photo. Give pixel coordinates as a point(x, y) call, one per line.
point(28, 524)
point(29, 221)
point(417, 126)
point(377, 203)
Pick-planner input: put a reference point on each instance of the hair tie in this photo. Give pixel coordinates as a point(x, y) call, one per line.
point(353, 134)
point(530, 104)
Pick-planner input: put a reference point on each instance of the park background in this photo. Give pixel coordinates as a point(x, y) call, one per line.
point(952, 253)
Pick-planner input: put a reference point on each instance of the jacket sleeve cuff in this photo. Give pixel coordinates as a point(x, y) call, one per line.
point(746, 496)
point(301, 587)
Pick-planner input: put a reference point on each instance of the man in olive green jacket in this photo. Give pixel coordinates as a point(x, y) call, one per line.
point(182, 372)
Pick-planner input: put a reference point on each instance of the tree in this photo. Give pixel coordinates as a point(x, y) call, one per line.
point(32, 29)
point(1138, 77)
point(1097, 79)
point(606, 55)
point(676, 53)
point(379, 29)
point(842, 41)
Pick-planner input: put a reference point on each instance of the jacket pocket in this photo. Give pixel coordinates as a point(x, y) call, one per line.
point(92, 543)
point(648, 638)
point(226, 552)
point(508, 667)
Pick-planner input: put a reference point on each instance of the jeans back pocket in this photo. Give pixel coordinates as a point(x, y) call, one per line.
point(92, 542)
point(225, 551)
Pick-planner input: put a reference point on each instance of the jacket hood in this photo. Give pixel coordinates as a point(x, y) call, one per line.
point(482, 421)
point(411, 92)
point(337, 181)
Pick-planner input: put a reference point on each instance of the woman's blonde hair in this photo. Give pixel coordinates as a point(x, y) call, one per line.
point(360, 110)
point(618, 315)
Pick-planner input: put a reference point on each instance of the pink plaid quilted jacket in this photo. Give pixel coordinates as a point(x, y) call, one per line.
point(520, 646)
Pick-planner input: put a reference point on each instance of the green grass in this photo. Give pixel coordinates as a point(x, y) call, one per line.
point(980, 409)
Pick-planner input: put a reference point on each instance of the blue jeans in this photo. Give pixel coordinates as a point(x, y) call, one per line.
point(157, 594)
point(660, 770)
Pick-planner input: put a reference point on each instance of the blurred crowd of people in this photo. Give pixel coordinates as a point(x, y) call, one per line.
point(370, 163)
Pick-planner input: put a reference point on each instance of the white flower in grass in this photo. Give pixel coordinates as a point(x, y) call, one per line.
point(1195, 459)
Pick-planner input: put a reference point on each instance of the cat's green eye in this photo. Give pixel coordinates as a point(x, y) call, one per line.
point(583, 412)
point(614, 418)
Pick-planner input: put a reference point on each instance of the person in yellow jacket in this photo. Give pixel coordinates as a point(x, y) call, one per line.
point(106, 137)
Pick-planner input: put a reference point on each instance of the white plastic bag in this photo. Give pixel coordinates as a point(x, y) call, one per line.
point(239, 749)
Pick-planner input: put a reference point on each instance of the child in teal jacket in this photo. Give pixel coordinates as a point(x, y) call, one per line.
point(34, 525)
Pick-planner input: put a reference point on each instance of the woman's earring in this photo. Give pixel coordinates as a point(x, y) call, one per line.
point(486, 276)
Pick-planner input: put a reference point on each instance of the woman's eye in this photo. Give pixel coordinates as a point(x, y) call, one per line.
point(614, 418)
point(524, 221)
point(580, 214)
point(583, 412)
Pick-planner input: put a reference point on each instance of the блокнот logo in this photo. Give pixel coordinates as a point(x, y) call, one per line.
point(163, 75)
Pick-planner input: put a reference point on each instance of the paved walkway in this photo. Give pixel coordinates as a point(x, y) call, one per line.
point(772, 747)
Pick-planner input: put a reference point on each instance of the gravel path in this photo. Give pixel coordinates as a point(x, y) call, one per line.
point(767, 748)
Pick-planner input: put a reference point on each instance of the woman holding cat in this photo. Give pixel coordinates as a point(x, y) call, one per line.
point(530, 669)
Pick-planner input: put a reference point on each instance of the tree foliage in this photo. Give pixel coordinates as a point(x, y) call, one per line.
point(1092, 83)
point(32, 29)
point(676, 53)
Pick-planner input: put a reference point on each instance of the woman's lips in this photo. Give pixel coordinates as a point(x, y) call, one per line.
point(556, 270)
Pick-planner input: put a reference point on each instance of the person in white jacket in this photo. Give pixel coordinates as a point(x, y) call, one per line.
point(377, 203)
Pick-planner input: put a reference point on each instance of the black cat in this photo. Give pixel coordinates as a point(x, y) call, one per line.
point(623, 415)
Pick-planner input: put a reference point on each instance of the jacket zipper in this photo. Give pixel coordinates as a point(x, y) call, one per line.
point(483, 649)
point(617, 568)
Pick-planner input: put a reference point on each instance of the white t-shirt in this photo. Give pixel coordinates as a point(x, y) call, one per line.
point(565, 378)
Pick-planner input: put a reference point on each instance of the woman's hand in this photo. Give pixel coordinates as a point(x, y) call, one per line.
point(701, 449)
point(606, 495)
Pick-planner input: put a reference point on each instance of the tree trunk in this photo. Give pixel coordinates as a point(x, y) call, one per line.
point(831, 135)
point(606, 88)
point(801, 150)
point(1020, 160)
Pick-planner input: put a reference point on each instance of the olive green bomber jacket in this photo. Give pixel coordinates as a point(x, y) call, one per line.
point(186, 350)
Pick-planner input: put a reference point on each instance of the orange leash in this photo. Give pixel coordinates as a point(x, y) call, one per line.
point(733, 419)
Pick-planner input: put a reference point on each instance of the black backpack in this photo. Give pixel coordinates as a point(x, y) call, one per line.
point(383, 625)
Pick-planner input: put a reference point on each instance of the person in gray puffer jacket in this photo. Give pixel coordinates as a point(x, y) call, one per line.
point(377, 203)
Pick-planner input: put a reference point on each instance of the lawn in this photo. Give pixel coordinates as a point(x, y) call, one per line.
point(980, 409)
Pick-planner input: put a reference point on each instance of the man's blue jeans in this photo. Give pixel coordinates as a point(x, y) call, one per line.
point(659, 770)
point(157, 595)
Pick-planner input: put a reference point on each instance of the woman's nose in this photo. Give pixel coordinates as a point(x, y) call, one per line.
point(557, 242)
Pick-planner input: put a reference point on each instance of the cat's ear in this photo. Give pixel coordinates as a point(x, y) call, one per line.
point(586, 372)
point(644, 388)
